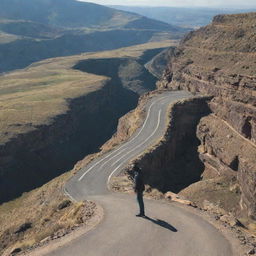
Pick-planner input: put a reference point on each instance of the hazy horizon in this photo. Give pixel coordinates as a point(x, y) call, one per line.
point(246, 4)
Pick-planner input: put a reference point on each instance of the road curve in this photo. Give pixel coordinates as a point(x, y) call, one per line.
point(168, 229)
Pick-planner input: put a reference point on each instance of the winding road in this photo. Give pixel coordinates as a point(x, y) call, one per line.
point(168, 229)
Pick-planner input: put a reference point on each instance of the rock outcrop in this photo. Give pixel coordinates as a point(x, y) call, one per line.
point(172, 163)
point(219, 60)
point(157, 65)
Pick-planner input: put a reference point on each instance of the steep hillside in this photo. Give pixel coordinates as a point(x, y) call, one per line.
point(20, 53)
point(65, 13)
point(32, 30)
point(157, 65)
point(219, 60)
point(74, 14)
point(29, 29)
point(38, 102)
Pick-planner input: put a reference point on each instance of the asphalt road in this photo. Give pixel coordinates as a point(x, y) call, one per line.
point(168, 229)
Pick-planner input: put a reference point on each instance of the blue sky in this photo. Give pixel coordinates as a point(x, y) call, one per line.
point(183, 3)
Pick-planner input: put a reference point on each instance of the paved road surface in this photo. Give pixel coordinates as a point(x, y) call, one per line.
point(168, 229)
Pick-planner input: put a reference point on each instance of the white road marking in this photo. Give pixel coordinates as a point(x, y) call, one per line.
point(118, 148)
point(112, 158)
point(126, 144)
point(152, 134)
point(67, 194)
point(158, 124)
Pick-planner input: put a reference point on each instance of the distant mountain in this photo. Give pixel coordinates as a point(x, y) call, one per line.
point(179, 16)
point(31, 30)
point(65, 13)
point(72, 14)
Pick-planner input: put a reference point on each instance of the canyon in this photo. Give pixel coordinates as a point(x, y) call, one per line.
point(34, 148)
point(219, 60)
point(208, 152)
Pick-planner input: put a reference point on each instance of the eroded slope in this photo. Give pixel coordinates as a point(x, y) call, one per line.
point(219, 60)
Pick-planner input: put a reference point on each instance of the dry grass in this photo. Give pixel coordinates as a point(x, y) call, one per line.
point(41, 208)
point(122, 184)
point(227, 45)
point(132, 51)
point(219, 191)
point(34, 96)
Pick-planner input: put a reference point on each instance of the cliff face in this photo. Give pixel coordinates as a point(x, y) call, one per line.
point(219, 60)
point(173, 163)
point(157, 65)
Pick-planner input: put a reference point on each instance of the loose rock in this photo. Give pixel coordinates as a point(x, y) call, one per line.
point(251, 251)
point(230, 220)
point(64, 204)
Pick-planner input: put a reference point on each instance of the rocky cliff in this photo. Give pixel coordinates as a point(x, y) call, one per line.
point(173, 163)
point(158, 64)
point(219, 60)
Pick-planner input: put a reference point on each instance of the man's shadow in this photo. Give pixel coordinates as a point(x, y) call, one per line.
point(162, 223)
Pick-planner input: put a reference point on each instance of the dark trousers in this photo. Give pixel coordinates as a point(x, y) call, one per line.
point(140, 201)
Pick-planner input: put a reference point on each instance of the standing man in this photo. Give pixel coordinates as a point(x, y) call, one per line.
point(139, 187)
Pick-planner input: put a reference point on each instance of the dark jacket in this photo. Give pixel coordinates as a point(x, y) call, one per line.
point(138, 181)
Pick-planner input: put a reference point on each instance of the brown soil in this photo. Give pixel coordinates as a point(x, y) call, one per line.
point(41, 215)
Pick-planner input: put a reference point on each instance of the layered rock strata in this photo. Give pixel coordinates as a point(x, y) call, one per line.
point(219, 60)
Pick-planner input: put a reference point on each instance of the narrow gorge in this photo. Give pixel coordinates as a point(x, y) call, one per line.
point(31, 159)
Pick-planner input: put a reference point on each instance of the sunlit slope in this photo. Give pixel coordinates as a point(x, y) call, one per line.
point(32, 30)
point(34, 96)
